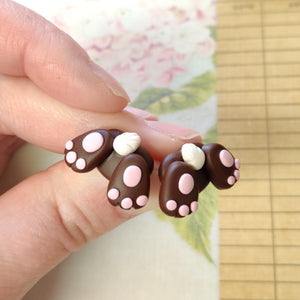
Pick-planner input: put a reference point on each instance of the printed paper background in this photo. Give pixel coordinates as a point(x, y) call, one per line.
point(162, 52)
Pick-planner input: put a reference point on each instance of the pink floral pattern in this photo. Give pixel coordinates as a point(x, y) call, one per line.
point(142, 43)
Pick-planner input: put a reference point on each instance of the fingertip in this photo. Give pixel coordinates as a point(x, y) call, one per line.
point(118, 97)
point(162, 138)
point(174, 130)
point(56, 63)
point(71, 77)
point(141, 113)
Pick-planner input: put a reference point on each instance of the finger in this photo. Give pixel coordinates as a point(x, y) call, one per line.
point(27, 112)
point(31, 46)
point(48, 216)
point(8, 145)
point(141, 113)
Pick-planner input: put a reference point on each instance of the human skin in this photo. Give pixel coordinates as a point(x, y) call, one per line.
point(50, 93)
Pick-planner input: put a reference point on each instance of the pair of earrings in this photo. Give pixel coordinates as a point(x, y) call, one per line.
point(128, 166)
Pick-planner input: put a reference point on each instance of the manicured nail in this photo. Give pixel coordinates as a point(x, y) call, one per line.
point(112, 84)
point(173, 130)
point(141, 113)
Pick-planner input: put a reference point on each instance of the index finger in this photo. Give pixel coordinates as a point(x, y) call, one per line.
point(33, 47)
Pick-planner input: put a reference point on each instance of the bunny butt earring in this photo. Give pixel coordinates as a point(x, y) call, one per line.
point(120, 158)
point(128, 166)
point(185, 173)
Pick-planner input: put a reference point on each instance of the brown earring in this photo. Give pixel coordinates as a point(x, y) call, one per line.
point(185, 173)
point(120, 158)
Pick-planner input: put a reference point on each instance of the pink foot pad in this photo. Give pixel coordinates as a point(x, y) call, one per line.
point(179, 192)
point(88, 150)
point(221, 166)
point(130, 182)
point(129, 176)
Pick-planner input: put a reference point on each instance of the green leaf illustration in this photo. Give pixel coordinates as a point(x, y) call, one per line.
point(162, 101)
point(195, 228)
point(213, 32)
point(211, 135)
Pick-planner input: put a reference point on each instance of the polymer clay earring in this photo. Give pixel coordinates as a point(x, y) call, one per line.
point(185, 173)
point(120, 158)
point(128, 166)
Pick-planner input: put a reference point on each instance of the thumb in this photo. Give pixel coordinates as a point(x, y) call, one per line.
point(54, 62)
point(48, 216)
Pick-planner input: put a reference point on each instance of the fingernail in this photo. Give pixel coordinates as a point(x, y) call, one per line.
point(112, 84)
point(173, 130)
point(141, 113)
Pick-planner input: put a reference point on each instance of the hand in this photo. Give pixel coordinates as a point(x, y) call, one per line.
point(50, 93)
